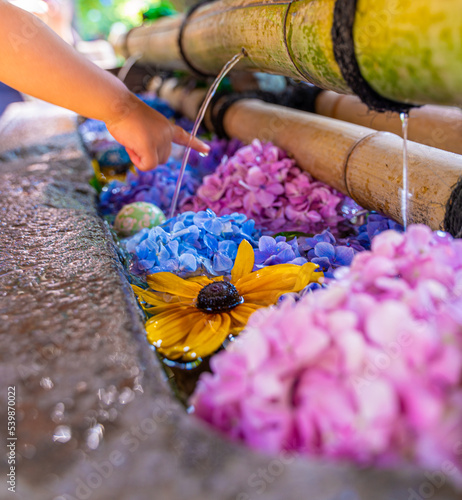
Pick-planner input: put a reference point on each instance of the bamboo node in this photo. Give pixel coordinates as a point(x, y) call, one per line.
point(346, 164)
point(181, 44)
point(345, 56)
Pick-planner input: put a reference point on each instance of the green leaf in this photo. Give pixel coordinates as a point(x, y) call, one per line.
point(290, 235)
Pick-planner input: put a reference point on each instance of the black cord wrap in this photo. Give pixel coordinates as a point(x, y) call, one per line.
point(300, 96)
point(188, 63)
point(220, 104)
point(344, 52)
point(453, 216)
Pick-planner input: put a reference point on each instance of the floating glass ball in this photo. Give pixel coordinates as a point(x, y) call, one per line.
point(136, 216)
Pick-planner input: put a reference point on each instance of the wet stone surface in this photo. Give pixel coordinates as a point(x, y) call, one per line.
point(95, 416)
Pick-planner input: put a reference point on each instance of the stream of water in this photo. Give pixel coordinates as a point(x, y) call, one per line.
point(405, 189)
point(127, 66)
point(200, 116)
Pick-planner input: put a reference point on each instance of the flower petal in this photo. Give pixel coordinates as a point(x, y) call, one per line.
point(170, 283)
point(151, 297)
point(243, 264)
point(265, 286)
point(169, 327)
point(203, 280)
point(241, 314)
point(344, 256)
point(325, 250)
point(280, 276)
point(221, 263)
point(214, 333)
point(307, 275)
point(267, 245)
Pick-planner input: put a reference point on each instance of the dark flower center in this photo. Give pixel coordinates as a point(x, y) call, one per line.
point(218, 297)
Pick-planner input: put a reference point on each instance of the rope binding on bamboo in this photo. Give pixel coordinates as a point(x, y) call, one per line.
point(344, 52)
point(453, 217)
point(181, 46)
point(296, 96)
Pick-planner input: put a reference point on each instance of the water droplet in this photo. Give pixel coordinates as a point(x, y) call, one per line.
point(137, 385)
point(103, 415)
point(95, 436)
point(107, 396)
point(62, 434)
point(46, 383)
point(126, 396)
point(81, 387)
point(58, 413)
point(112, 414)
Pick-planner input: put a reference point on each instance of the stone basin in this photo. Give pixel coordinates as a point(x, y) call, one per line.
point(96, 418)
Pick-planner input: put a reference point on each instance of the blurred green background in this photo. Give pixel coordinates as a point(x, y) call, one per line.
point(94, 18)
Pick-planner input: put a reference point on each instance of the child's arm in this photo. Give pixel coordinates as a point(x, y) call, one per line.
point(34, 60)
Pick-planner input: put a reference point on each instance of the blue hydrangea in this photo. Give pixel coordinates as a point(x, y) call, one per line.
point(192, 244)
point(161, 106)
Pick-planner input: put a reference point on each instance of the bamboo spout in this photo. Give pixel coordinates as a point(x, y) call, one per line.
point(436, 126)
point(407, 51)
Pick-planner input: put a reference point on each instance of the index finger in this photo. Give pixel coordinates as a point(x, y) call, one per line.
point(182, 137)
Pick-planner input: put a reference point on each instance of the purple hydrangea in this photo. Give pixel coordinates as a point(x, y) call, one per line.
point(323, 249)
point(220, 150)
point(156, 186)
point(375, 224)
point(272, 251)
point(262, 182)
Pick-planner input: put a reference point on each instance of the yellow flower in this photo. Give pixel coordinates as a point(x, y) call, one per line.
point(193, 317)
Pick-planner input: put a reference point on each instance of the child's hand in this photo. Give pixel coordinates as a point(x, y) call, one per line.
point(67, 79)
point(147, 135)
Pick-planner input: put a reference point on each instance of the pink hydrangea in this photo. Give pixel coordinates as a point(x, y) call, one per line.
point(263, 183)
point(368, 370)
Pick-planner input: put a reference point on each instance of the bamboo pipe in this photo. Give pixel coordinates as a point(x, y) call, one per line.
point(358, 161)
point(139, 42)
point(407, 51)
point(436, 126)
point(182, 5)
